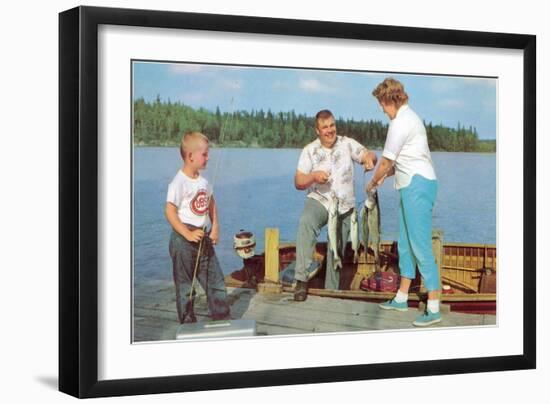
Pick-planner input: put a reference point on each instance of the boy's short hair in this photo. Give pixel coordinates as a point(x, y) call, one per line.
point(188, 140)
point(322, 115)
point(391, 91)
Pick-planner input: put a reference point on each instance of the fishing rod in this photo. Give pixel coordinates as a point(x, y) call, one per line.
point(214, 178)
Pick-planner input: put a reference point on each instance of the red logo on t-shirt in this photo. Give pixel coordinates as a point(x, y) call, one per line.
point(199, 204)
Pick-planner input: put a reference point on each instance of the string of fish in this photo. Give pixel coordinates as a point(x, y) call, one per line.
point(369, 226)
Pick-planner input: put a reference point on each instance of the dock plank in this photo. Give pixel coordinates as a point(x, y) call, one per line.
point(155, 315)
point(155, 330)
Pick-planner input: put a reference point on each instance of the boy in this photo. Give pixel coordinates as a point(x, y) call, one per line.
point(190, 208)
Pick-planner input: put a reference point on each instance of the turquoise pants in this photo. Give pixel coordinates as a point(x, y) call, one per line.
point(415, 231)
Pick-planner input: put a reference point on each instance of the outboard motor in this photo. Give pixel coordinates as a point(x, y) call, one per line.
point(244, 244)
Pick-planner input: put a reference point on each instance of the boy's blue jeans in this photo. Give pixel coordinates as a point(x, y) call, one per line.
point(415, 231)
point(209, 276)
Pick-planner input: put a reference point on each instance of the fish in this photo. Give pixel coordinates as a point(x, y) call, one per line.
point(354, 235)
point(333, 233)
point(370, 226)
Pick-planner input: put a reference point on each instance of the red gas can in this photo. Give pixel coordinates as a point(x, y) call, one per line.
point(381, 282)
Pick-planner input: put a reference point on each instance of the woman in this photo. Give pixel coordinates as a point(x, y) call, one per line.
point(407, 156)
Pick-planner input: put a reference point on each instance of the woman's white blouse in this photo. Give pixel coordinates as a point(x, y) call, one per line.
point(407, 145)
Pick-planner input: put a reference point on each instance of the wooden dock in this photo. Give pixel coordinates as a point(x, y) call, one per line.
point(155, 317)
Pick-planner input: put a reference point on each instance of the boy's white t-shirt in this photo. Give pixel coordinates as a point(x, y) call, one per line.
point(191, 196)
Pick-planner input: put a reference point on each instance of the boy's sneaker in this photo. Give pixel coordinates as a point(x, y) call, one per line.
point(393, 305)
point(427, 319)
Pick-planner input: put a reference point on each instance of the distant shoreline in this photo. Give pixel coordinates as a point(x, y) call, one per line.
point(240, 146)
point(162, 124)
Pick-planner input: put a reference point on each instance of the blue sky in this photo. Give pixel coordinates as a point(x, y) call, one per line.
point(436, 99)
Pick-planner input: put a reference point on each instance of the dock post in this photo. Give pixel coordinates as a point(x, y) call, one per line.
point(437, 247)
point(271, 282)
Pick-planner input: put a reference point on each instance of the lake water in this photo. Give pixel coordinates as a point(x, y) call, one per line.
point(254, 189)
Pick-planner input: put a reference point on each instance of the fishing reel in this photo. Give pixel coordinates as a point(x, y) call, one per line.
point(244, 244)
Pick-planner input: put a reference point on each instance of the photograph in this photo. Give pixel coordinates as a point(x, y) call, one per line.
point(272, 201)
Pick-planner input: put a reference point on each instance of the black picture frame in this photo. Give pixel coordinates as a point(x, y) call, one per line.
point(78, 200)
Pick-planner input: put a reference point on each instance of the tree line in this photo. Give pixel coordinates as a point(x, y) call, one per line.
point(161, 123)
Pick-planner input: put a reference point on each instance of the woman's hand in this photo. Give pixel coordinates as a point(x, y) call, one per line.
point(371, 186)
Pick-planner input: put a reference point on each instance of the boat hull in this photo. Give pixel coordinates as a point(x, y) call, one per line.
point(468, 272)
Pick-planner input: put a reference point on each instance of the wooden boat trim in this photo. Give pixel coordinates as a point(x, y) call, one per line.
point(467, 245)
point(455, 283)
point(465, 268)
point(284, 244)
point(361, 294)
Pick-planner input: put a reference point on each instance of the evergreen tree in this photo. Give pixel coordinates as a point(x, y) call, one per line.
point(162, 123)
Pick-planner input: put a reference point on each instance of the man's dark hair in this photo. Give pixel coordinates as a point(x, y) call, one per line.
point(323, 114)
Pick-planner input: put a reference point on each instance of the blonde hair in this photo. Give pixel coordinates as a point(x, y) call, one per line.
point(189, 140)
point(391, 91)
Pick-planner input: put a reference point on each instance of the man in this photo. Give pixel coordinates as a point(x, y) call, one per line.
point(325, 169)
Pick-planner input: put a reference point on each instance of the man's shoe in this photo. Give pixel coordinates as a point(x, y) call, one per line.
point(393, 305)
point(427, 319)
point(300, 293)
